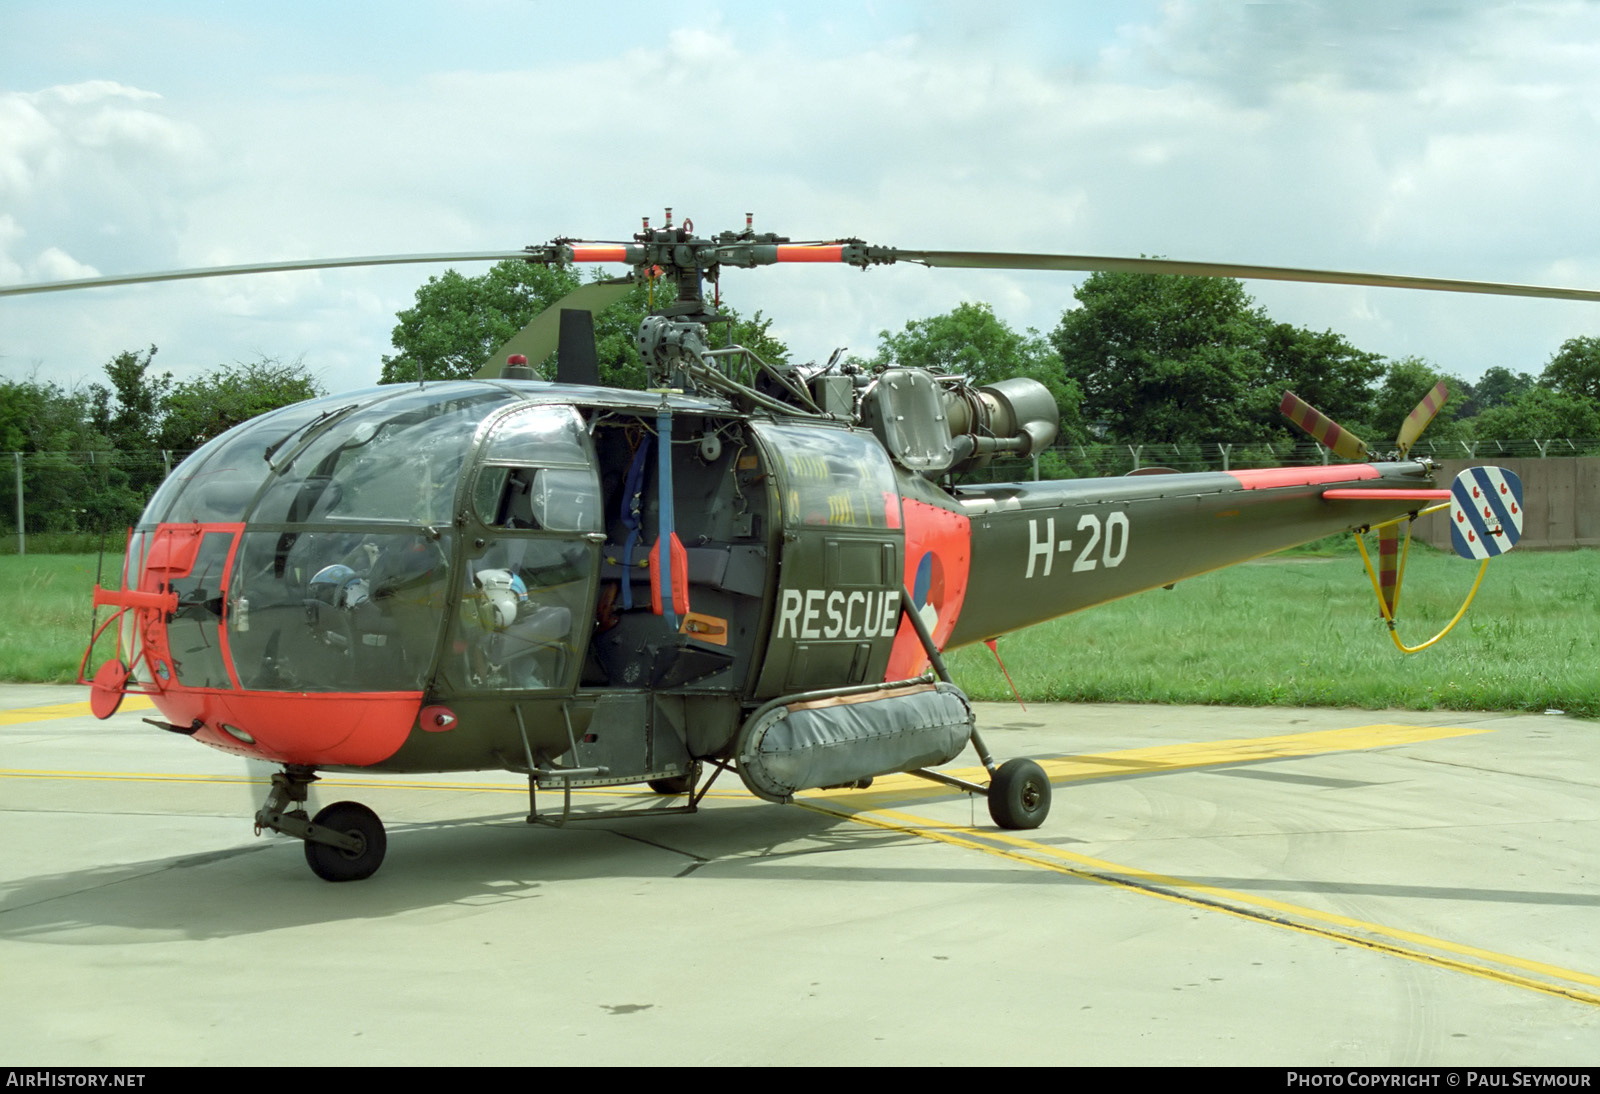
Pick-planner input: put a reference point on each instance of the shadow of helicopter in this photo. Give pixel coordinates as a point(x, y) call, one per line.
point(486, 859)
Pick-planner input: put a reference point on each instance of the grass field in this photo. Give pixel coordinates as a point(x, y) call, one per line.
point(1304, 631)
point(1296, 630)
point(44, 613)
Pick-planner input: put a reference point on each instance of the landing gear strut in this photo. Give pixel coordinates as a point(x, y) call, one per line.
point(345, 842)
point(1019, 790)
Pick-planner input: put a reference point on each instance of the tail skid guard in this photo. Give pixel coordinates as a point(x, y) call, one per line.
point(821, 739)
point(1485, 521)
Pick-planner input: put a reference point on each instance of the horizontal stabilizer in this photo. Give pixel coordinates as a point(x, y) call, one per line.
point(1364, 493)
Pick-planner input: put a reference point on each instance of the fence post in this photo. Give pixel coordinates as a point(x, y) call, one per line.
point(1136, 450)
point(1226, 448)
point(22, 536)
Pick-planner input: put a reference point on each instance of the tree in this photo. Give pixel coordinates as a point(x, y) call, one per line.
point(971, 341)
point(130, 412)
point(1166, 359)
point(1495, 387)
point(1404, 384)
point(198, 410)
point(1574, 369)
point(755, 335)
point(72, 477)
point(458, 321)
point(129, 415)
point(1323, 369)
point(1539, 414)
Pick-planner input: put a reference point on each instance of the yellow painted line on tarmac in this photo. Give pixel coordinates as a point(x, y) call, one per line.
point(124, 776)
point(23, 715)
point(1159, 759)
point(889, 788)
point(864, 807)
point(376, 782)
point(1138, 761)
point(1488, 964)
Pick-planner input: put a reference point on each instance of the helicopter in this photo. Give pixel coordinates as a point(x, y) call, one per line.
point(746, 567)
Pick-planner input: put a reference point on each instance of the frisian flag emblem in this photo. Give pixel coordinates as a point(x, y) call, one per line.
point(1485, 512)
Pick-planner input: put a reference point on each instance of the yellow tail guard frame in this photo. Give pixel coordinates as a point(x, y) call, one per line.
point(1485, 521)
point(1388, 534)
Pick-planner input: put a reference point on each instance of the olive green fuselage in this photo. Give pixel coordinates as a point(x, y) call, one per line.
point(1041, 550)
point(533, 575)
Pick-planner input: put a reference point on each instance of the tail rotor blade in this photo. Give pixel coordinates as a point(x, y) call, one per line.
point(1389, 566)
point(1323, 429)
point(1419, 418)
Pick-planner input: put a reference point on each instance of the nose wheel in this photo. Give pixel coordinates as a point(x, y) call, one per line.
point(360, 826)
point(344, 842)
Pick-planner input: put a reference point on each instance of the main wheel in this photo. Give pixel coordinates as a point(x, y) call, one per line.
point(674, 784)
point(677, 784)
point(1019, 795)
point(355, 820)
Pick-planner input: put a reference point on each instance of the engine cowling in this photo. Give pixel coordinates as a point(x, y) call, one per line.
point(937, 425)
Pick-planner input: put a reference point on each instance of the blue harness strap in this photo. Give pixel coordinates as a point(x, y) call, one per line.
point(665, 529)
point(632, 503)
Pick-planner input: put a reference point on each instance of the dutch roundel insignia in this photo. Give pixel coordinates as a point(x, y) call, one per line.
point(1485, 512)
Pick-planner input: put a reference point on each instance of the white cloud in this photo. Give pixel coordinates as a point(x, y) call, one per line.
point(93, 168)
point(1456, 142)
point(93, 91)
point(54, 264)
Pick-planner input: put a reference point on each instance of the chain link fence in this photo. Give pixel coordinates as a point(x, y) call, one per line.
point(66, 501)
point(1065, 460)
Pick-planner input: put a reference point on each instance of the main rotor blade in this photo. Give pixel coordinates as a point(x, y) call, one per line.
point(1420, 416)
point(256, 268)
point(1002, 260)
point(538, 339)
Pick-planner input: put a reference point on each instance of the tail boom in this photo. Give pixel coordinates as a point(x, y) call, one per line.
point(1041, 550)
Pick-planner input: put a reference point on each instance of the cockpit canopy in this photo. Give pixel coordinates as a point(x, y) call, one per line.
point(313, 549)
point(384, 454)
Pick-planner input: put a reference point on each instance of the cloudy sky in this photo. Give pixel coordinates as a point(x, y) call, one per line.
point(1432, 138)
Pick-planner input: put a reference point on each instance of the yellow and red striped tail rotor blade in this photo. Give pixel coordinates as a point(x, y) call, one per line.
point(1418, 419)
point(1323, 429)
point(1389, 567)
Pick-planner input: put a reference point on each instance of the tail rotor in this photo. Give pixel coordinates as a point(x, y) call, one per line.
point(1420, 416)
point(1323, 429)
point(1345, 444)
